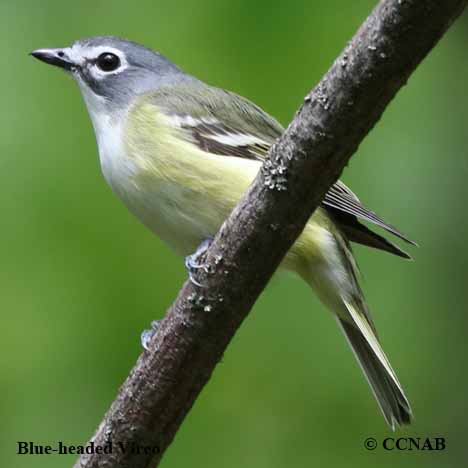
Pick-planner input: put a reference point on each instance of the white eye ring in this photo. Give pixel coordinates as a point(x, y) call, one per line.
point(103, 50)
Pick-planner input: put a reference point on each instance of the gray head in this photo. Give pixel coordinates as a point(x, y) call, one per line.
point(111, 71)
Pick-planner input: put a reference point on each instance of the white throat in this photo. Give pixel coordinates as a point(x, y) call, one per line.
point(116, 167)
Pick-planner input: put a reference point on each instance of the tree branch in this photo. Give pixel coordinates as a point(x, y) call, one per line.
point(303, 164)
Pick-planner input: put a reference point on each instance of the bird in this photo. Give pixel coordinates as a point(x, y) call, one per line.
point(180, 153)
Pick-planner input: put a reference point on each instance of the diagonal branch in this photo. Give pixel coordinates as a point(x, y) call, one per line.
point(304, 162)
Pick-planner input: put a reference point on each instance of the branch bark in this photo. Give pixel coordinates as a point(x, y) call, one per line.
point(303, 164)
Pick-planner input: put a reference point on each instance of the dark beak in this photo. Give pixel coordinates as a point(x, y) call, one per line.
point(57, 57)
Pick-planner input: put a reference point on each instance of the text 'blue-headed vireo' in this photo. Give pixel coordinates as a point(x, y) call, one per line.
point(180, 154)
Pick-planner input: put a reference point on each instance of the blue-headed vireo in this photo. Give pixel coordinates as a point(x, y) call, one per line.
point(180, 154)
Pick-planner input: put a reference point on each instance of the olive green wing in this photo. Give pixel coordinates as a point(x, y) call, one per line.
point(224, 123)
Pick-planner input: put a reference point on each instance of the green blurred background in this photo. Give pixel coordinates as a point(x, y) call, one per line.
point(80, 277)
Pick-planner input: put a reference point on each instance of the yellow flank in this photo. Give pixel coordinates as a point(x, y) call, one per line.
point(183, 193)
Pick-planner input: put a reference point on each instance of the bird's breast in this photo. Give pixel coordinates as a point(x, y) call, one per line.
point(116, 166)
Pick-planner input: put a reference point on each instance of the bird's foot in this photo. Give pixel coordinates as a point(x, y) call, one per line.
point(146, 335)
point(192, 262)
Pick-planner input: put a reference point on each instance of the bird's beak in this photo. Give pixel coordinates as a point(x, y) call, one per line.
point(57, 57)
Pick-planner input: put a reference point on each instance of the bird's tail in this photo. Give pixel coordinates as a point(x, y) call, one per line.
point(377, 369)
point(334, 276)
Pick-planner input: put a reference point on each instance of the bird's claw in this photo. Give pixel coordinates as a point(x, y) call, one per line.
point(146, 335)
point(192, 262)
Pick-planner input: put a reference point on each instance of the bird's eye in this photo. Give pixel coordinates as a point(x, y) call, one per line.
point(108, 62)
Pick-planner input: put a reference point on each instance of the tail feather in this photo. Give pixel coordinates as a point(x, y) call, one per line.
point(360, 234)
point(334, 276)
point(380, 375)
